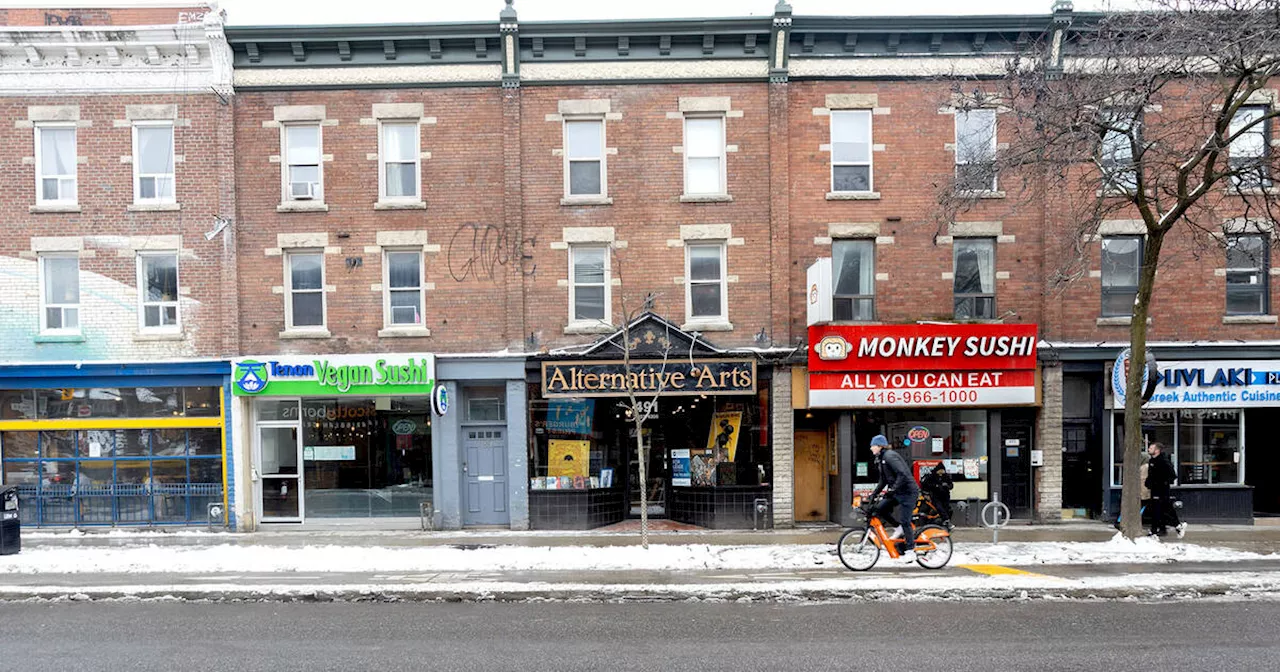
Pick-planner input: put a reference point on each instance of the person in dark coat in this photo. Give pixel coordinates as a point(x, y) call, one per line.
point(895, 473)
point(1160, 476)
point(937, 484)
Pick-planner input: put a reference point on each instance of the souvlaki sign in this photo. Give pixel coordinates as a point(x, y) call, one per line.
point(853, 366)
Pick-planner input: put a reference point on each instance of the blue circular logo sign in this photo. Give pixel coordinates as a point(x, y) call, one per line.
point(440, 399)
point(250, 376)
point(1120, 377)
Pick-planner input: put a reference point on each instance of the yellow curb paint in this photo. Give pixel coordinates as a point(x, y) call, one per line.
point(993, 570)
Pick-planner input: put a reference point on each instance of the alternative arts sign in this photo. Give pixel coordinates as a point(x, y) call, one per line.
point(648, 377)
point(334, 375)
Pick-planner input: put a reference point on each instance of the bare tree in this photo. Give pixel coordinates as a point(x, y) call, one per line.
point(1159, 116)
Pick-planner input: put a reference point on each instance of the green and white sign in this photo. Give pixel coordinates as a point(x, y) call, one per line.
point(334, 375)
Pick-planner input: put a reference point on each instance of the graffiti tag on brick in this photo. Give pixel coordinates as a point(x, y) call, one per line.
point(479, 250)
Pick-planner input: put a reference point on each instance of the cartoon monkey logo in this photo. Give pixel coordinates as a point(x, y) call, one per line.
point(832, 347)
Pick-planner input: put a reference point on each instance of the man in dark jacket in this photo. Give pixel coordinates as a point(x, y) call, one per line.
point(895, 473)
point(1161, 475)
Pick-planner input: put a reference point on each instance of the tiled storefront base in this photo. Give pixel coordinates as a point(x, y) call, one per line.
point(575, 509)
point(725, 508)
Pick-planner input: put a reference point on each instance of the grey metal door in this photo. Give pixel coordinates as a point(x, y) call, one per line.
point(484, 473)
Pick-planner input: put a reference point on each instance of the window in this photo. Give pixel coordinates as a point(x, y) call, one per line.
point(158, 290)
point(153, 163)
point(704, 156)
point(589, 286)
point(584, 157)
point(1116, 152)
point(305, 292)
point(55, 164)
point(854, 275)
point(705, 295)
point(1247, 275)
point(974, 284)
point(851, 150)
point(1158, 426)
point(303, 176)
point(60, 295)
point(399, 153)
point(1121, 261)
point(976, 150)
point(486, 404)
point(1252, 149)
point(404, 288)
point(1204, 444)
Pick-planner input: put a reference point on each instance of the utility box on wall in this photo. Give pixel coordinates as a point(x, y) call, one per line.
point(817, 296)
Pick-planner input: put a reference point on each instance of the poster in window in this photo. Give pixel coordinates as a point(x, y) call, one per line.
point(723, 439)
point(567, 458)
point(681, 475)
point(703, 470)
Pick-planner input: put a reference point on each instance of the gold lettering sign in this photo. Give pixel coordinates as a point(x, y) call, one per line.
point(648, 378)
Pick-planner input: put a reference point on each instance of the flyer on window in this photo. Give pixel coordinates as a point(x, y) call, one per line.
point(723, 439)
point(567, 458)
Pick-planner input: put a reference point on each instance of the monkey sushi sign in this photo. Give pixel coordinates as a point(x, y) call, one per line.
point(922, 365)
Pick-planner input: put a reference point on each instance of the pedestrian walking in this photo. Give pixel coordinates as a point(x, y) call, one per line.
point(1160, 476)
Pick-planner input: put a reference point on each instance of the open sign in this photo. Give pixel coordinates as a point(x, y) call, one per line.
point(918, 434)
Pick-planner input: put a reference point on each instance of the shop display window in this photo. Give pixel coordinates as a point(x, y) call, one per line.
point(957, 439)
point(1205, 444)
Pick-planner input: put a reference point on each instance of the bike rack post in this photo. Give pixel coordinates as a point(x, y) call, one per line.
point(999, 516)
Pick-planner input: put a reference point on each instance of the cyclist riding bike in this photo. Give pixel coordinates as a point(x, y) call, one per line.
point(896, 474)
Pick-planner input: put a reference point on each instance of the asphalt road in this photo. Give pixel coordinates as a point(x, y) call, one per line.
point(986, 636)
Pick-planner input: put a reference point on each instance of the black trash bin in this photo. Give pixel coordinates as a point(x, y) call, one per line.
point(10, 524)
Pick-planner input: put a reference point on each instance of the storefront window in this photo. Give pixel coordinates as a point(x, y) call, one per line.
point(1204, 444)
point(956, 439)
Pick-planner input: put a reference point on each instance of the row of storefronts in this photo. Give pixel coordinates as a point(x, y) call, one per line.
point(736, 439)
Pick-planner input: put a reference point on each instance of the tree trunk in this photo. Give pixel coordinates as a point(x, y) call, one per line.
point(644, 481)
point(1130, 502)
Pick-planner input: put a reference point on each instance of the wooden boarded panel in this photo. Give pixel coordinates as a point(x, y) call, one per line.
point(810, 476)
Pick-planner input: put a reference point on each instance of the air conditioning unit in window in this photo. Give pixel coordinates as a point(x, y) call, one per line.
point(303, 191)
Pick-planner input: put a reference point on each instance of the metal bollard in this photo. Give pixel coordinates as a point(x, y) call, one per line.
point(426, 516)
point(761, 508)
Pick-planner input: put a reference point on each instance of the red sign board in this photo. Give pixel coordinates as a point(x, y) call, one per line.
point(869, 366)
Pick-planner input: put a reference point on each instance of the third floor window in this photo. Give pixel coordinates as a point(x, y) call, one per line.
point(704, 156)
point(399, 156)
point(851, 151)
point(1251, 150)
point(584, 158)
point(153, 163)
point(976, 150)
point(55, 164)
point(303, 179)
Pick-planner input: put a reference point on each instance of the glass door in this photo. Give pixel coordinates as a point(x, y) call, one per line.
point(280, 486)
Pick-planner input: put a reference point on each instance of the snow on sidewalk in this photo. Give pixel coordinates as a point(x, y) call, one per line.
point(152, 558)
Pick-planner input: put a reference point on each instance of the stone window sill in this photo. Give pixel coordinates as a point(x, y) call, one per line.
point(404, 332)
point(576, 328)
point(1249, 319)
point(981, 194)
point(154, 207)
point(145, 337)
point(710, 325)
point(400, 205)
point(573, 201)
point(853, 196)
point(706, 198)
point(1253, 191)
point(60, 338)
point(74, 207)
point(302, 206)
point(292, 334)
point(1120, 321)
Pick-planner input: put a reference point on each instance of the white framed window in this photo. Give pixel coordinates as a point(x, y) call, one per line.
point(1250, 153)
point(399, 160)
point(56, 164)
point(403, 296)
point(304, 290)
point(1120, 171)
point(589, 295)
point(705, 291)
point(851, 151)
point(584, 164)
point(153, 176)
point(158, 300)
point(303, 170)
point(976, 150)
point(704, 163)
point(60, 294)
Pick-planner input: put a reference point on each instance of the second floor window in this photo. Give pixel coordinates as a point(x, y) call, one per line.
point(399, 154)
point(1116, 152)
point(1248, 275)
point(706, 282)
point(974, 284)
point(60, 294)
point(302, 171)
point(1251, 151)
point(976, 150)
point(1121, 264)
point(853, 270)
point(158, 290)
point(305, 293)
point(704, 156)
point(589, 283)
point(404, 288)
point(584, 157)
point(56, 164)
point(851, 150)
point(153, 163)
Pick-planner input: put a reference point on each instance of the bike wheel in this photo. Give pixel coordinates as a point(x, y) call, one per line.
point(857, 549)
point(940, 555)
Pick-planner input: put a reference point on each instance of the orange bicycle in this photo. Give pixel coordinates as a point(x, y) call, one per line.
point(859, 547)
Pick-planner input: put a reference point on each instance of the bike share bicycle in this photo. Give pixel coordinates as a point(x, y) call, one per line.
point(859, 547)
